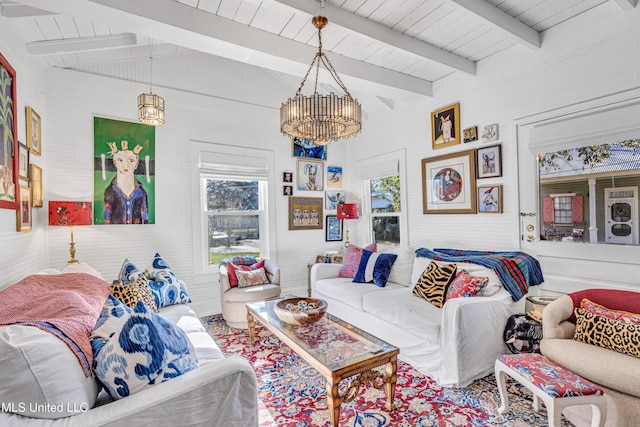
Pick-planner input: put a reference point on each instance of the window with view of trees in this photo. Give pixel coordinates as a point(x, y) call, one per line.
point(385, 209)
point(234, 215)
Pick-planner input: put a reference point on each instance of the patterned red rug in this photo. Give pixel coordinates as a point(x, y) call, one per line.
point(292, 393)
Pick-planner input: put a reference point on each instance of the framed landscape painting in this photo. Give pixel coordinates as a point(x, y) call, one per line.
point(9, 181)
point(449, 183)
point(445, 127)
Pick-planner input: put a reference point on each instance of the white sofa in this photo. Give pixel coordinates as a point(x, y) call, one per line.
point(454, 345)
point(220, 392)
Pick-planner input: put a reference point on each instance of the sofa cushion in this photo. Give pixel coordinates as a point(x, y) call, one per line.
point(401, 270)
point(374, 267)
point(82, 267)
point(432, 284)
point(352, 259)
point(131, 293)
point(600, 310)
point(611, 334)
point(147, 350)
point(232, 270)
point(39, 370)
point(347, 291)
point(465, 285)
point(251, 277)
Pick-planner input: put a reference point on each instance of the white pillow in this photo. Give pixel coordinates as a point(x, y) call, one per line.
point(402, 267)
point(82, 267)
point(39, 371)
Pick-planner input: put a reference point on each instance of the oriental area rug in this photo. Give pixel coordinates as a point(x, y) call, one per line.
point(292, 393)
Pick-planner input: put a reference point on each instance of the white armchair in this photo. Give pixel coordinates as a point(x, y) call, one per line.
point(234, 299)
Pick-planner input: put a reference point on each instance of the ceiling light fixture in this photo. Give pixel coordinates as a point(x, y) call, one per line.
point(150, 105)
point(321, 118)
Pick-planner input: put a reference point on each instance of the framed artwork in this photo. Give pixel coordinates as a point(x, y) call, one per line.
point(23, 214)
point(332, 198)
point(490, 199)
point(34, 131)
point(489, 161)
point(307, 148)
point(124, 163)
point(23, 161)
point(310, 175)
point(490, 133)
point(287, 176)
point(321, 259)
point(305, 213)
point(287, 190)
point(337, 258)
point(449, 183)
point(35, 172)
point(334, 176)
point(445, 126)
point(470, 134)
point(9, 181)
point(333, 229)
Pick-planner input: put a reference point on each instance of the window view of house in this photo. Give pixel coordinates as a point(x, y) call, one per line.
point(233, 218)
point(590, 194)
point(385, 209)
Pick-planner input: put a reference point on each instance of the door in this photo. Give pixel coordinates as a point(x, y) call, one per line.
point(621, 215)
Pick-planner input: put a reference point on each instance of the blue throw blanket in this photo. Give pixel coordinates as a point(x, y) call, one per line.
point(516, 270)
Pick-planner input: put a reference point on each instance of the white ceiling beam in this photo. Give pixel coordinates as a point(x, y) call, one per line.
point(626, 5)
point(374, 31)
point(14, 10)
point(172, 22)
point(54, 47)
point(514, 29)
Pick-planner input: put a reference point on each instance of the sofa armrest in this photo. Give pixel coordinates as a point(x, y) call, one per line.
point(273, 271)
point(222, 393)
point(555, 317)
point(324, 271)
point(224, 279)
point(471, 335)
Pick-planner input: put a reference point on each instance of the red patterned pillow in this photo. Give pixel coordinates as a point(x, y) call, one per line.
point(232, 268)
point(600, 310)
point(466, 285)
point(352, 260)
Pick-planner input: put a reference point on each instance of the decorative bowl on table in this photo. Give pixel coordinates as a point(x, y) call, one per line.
point(300, 311)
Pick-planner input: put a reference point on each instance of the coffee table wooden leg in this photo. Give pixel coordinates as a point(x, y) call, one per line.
point(333, 402)
point(252, 325)
point(392, 378)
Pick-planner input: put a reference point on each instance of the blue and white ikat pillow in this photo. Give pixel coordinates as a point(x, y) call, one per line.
point(166, 288)
point(112, 318)
point(146, 350)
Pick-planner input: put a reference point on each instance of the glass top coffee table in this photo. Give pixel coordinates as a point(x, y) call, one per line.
point(336, 349)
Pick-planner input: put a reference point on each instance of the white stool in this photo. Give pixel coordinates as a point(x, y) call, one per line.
point(561, 389)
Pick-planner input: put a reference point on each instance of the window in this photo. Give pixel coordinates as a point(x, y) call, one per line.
point(562, 210)
point(234, 215)
point(384, 198)
point(234, 187)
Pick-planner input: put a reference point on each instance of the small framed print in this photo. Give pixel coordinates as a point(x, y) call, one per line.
point(287, 176)
point(321, 259)
point(34, 131)
point(287, 190)
point(337, 258)
point(489, 161)
point(490, 199)
point(310, 175)
point(333, 229)
point(445, 127)
point(35, 174)
point(23, 213)
point(490, 133)
point(334, 176)
point(333, 198)
point(470, 134)
point(23, 161)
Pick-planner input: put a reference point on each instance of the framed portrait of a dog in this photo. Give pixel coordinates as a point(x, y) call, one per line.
point(305, 213)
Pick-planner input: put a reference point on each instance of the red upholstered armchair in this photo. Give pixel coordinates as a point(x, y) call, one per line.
point(617, 373)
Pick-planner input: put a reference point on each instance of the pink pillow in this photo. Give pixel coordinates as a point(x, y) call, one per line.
point(600, 310)
point(232, 268)
point(352, 260)
point(466, 285)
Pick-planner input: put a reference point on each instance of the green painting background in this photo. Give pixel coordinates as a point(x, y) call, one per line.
point(108, 130)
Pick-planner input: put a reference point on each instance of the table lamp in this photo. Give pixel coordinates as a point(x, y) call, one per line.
point(70, 214)
point(347, 211)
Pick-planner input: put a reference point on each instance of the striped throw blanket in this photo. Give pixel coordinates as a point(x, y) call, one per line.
point(516, 270)
point(65, 305)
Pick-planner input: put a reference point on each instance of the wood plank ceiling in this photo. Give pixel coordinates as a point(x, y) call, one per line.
point(403, 44)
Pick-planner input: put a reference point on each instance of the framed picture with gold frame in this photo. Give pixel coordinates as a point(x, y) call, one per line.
point(34, 131)
point(23, 214)
point(449, 183)
point(305, 213)
point(35, 177)
point(445, 127)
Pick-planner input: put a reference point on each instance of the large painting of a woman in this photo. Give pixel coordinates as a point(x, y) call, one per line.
point(8, 137)
point(124, 172)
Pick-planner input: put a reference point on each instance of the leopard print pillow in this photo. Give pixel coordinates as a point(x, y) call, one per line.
point(607, 333)
point(131, 293)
